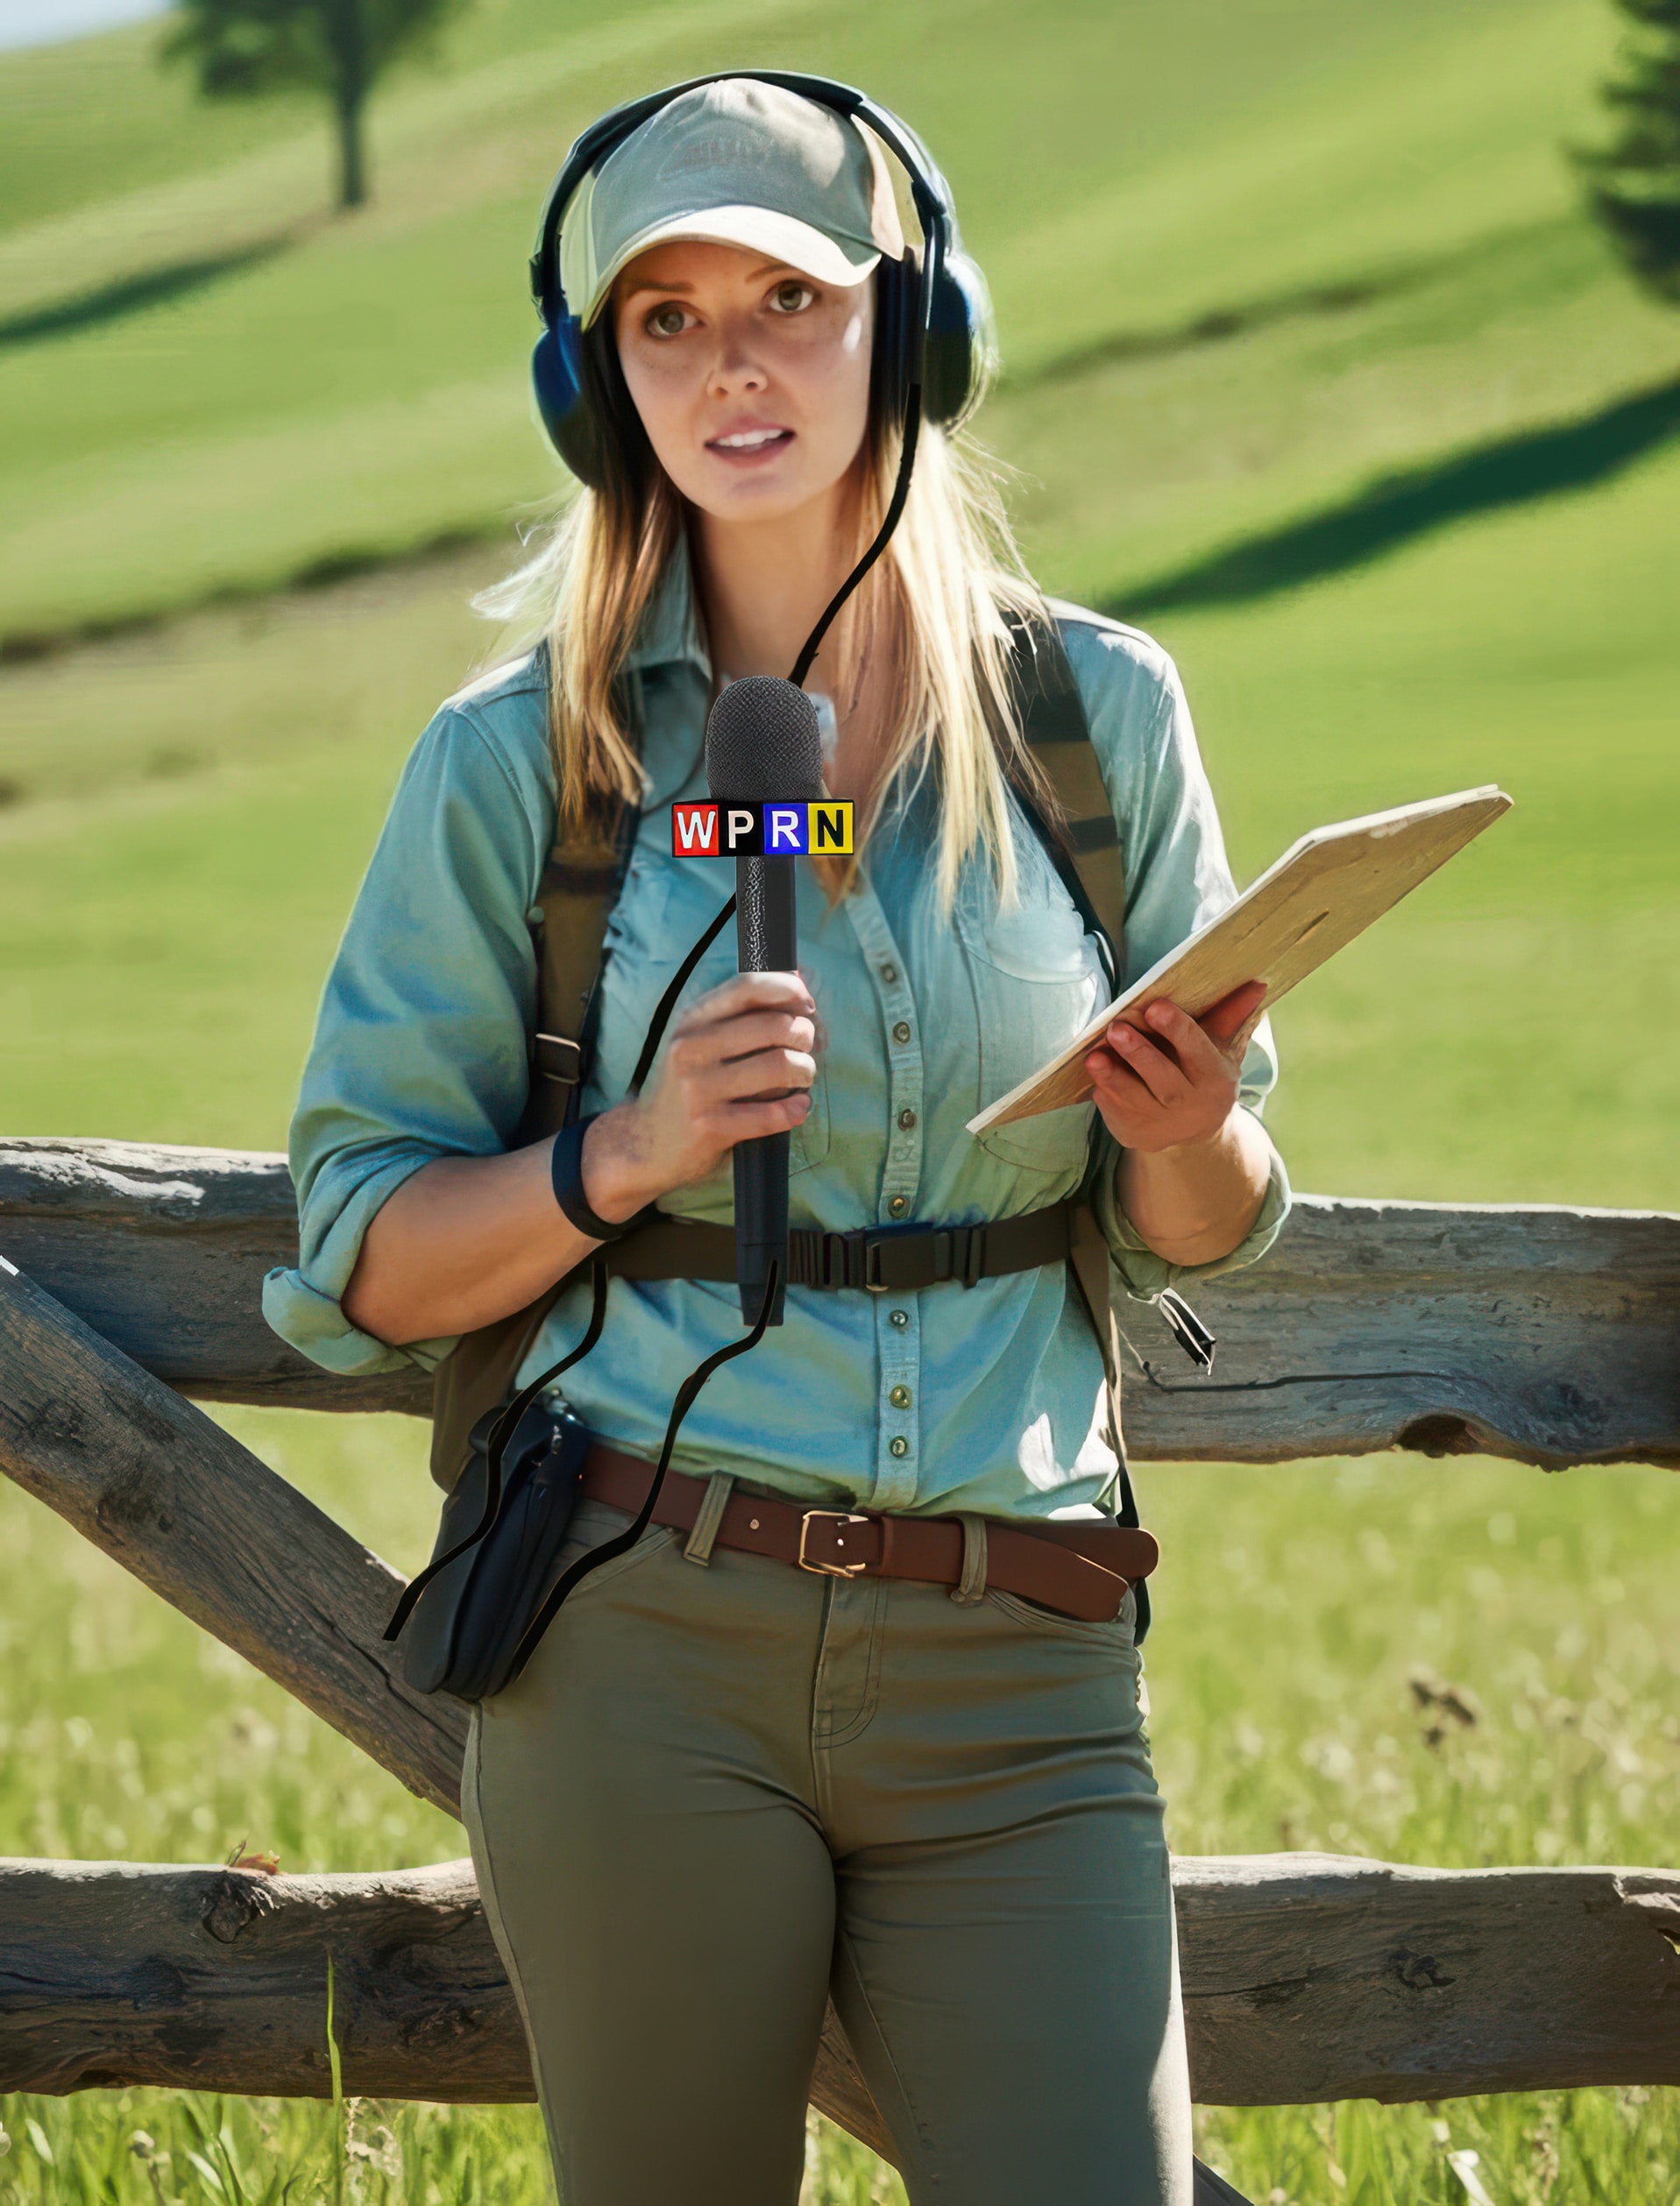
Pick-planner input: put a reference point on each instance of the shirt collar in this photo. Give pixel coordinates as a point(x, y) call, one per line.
point(669, 633)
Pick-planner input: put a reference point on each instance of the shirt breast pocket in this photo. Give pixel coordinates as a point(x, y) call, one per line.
point(1037, 979)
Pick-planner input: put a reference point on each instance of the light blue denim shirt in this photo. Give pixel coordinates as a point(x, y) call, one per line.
point(987, 1397)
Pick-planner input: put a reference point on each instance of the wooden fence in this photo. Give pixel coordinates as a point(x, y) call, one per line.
point(129, 1281)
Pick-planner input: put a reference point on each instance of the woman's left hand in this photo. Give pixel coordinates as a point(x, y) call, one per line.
point(1177, 1085)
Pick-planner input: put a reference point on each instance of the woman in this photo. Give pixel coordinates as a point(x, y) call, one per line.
point(724, 1786)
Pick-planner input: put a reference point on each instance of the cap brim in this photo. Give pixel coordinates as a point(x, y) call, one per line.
point(780, 237)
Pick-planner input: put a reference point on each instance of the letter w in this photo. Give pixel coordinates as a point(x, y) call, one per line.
point(697, 830)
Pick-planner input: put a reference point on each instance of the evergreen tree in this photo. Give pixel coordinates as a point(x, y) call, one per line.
point(1633, 182)
point(243, 48)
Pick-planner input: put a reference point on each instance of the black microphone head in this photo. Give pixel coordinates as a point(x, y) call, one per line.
point(762, 742)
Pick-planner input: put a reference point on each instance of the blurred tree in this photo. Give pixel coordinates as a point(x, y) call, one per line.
point(1633, 184)
point(243, 48)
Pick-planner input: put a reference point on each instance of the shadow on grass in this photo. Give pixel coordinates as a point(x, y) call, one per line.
point(133, 294)
point(1302, 303)
point(1219, 324)
point(1538, 462)
point(23, 647)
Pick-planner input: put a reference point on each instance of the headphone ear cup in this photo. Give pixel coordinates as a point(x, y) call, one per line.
point(565, 414)
point(961, 355)
point(896, 284)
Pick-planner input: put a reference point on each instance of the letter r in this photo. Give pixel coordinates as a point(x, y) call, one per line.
point(782, 825)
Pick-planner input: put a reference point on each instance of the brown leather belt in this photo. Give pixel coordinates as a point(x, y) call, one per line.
point(1083, 1570)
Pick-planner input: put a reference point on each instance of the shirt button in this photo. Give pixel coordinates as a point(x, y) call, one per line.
point(907, 1120)
point(899, 1204)
point(901, 1033)
point(899, 1397)
point(889, 973)
point(898, 1317)
point(899, 1446)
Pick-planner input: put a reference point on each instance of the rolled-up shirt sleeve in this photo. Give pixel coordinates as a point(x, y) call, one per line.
point(1178, 878)
point(420, 1048)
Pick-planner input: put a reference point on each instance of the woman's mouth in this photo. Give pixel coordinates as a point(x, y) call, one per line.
point(745, 447)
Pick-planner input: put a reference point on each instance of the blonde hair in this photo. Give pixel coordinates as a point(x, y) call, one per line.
point(938, 603)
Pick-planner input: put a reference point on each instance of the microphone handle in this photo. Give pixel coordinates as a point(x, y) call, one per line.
point(768, 935)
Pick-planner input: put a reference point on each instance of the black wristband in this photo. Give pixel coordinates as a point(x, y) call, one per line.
point(567, 1173)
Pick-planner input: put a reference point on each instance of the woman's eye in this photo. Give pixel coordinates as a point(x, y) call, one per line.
point(668, 321)
point(792, 297)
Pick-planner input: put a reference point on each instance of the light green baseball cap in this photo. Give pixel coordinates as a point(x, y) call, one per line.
point(734, 163)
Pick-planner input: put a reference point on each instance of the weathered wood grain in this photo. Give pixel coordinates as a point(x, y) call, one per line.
point(168, 1494)
point(163, 1251)
point(1306, 1978)
point(1548, 1335)
point(1312, 1976)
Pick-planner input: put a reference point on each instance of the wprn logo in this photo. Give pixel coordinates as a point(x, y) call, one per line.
point(764, 829)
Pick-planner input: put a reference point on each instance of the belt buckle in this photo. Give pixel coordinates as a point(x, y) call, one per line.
point(829, 1570)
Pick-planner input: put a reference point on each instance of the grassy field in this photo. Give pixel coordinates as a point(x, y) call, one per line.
point(1314, 367)
point(230, 389)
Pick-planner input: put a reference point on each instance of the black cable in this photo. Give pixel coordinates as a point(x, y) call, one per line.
point(687, 1394)
point(501, 1433)
point(667, 1003)
point(894, 511)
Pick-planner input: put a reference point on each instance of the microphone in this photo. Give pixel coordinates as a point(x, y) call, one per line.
point(762, 743)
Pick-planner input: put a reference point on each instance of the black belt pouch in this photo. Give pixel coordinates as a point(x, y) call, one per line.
point(467, 1625)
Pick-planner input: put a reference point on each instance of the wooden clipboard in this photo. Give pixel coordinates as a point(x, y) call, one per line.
point(1324, 890)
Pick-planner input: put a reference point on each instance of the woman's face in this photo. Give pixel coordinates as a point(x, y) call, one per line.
point(752, 380)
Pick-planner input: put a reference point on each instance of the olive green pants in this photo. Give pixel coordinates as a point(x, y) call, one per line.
point(721, 1790)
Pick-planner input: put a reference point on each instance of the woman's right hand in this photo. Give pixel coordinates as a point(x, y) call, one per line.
point(740, 1064)
point(467, 1240)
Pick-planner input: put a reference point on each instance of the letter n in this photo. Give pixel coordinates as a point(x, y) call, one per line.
point(831, 829)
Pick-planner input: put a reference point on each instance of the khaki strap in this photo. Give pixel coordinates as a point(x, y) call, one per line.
point(575, 898)
point(1057, 733)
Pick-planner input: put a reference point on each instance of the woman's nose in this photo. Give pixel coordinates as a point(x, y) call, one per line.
point(735, 366)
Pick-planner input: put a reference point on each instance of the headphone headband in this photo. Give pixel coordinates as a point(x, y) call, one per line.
point(929, 190)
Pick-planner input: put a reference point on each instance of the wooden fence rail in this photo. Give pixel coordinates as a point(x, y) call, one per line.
point(1306, 1977)
point(127, 1273)
point(1549, 1336)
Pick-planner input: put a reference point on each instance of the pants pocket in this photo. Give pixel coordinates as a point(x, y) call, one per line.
point(594, 1524)
point(1119, 1634)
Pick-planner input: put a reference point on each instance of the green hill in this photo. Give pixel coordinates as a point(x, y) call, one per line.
point(209, 384)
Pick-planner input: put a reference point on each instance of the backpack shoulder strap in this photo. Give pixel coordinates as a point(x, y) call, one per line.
point(1084, 846)
point(579, 887)
point(1085, 843)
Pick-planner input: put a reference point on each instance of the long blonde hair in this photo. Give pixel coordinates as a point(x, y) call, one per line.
point(938, 603)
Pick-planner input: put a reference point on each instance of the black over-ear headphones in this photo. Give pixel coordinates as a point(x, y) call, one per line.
point(935, 339)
